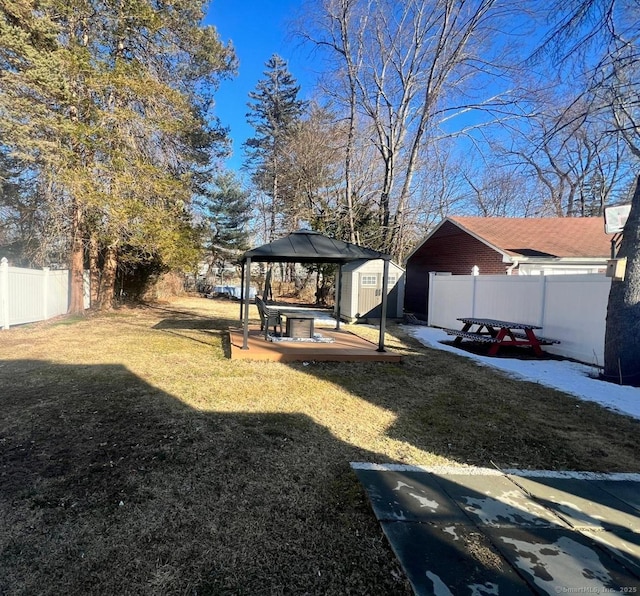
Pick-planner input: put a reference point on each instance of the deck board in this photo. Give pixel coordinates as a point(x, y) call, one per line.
point(347, 347)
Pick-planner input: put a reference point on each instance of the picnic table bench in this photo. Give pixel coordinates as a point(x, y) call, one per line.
point(500, 333)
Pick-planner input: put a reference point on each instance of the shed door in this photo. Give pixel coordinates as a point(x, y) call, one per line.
point(370, 292)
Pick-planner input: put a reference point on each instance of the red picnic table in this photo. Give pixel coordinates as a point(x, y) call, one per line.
point(500, 333)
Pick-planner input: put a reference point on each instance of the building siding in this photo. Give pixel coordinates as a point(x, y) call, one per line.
point(450, 250)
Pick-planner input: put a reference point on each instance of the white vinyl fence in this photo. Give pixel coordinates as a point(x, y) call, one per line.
point(569, 308)
point(28, 295)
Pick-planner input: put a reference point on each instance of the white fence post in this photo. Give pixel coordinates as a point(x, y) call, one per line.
point(474, 282)
point(432, 277)
point(45, 291)
point(4, 293)
point(543, 299)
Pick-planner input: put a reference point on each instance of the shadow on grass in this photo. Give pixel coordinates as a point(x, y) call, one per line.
point(451, 406)
point(185, 319)
point(111, 486)
point(176, 322)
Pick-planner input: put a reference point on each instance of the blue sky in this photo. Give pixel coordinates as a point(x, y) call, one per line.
point(257, 29)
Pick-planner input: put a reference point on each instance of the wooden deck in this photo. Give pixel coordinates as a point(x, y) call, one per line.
point(347, 347)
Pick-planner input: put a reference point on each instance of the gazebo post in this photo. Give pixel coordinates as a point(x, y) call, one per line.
point(242, 294)
point(247, 282)
point(338, 295)
point(383, 305)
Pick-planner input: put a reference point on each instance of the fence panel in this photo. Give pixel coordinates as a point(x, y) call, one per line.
point(29, 295)
point(509, 298)
point(569, 308)
point(58, 294)
point(26, 296)
point(4, 294)
point(449, 298)
point(575, 313)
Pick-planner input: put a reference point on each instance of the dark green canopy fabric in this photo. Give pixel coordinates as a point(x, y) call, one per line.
point(307, 246)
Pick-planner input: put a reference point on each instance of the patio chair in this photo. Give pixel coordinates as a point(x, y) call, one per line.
point(269, 317)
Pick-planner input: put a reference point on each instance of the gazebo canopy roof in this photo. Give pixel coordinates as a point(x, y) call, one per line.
point(307, 246)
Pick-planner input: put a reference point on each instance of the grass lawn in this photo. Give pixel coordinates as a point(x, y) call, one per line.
point(136, 458)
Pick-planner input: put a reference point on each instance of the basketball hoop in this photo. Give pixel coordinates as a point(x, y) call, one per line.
point(615, 218)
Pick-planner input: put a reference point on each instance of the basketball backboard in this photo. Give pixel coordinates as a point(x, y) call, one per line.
point(615, 218)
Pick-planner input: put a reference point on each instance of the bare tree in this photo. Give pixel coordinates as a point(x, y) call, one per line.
point(335, 20)
point(497, 191)
point(608, 30)
point(311, 171)
point(578, 167)
point(399, 67)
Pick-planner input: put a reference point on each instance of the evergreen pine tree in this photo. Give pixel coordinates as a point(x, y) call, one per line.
point(110, 103)
point(274, 111)
point(228, 214)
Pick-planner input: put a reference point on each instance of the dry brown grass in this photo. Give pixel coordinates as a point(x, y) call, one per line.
point(136, 458)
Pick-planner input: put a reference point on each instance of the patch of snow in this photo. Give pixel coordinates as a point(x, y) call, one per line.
point(564, 562)
point(571, 377)
point(439, 587)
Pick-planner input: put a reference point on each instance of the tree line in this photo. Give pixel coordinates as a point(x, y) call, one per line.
point(430, 107)
point(110, 155)
point(107, 134)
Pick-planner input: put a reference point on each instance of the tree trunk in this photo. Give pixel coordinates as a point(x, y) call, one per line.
point(274, 205)
point(94, 270)
point(353, 99)
point(385, 205)
point(76, 265)
point(622, 336)
point(108, 281)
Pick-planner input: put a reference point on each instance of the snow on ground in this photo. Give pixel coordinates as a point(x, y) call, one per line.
point(570, 377)
point(323, 317)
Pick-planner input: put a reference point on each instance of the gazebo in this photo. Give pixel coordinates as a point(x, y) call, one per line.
point(307, 246)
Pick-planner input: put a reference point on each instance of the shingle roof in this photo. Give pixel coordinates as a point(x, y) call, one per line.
point(544, 237)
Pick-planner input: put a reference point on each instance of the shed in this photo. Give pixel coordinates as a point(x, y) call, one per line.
point(505, 246)
point(361, 294)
